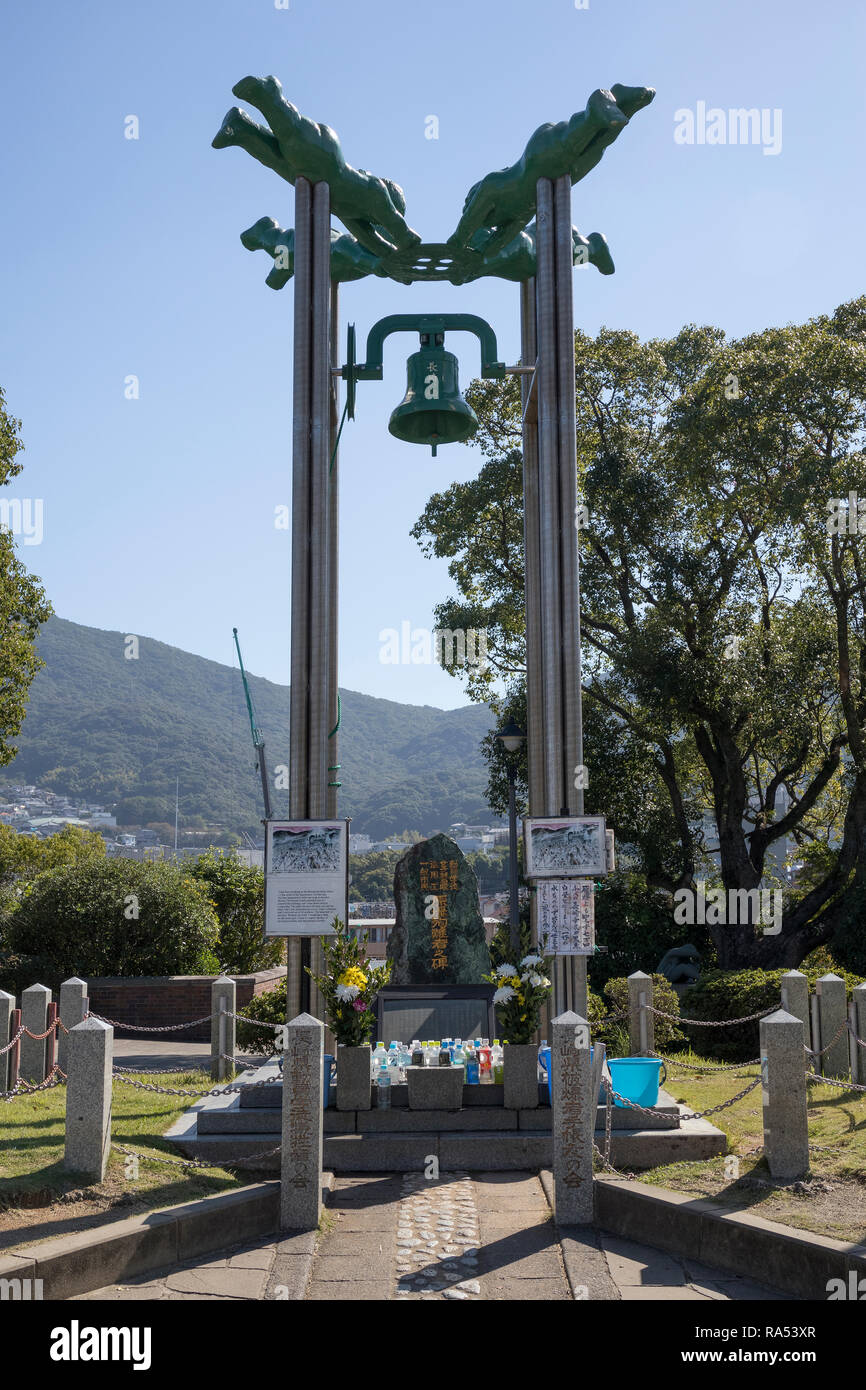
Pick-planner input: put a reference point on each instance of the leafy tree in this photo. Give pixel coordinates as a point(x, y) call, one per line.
point(23, 605)
point(372, 876)
point(722, 629)
point(113, 917)
point(237, 894)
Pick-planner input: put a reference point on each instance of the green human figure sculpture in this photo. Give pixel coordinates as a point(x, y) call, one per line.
point(502, 203)
point(295, 147)
point(518, 260)
point(349, 259)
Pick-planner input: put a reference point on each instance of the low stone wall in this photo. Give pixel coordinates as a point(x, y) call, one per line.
point(154, 1001)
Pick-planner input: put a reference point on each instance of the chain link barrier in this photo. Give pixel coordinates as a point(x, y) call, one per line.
point(199, 1162)
point(25, 1088)
point(711, 1022)
point(164, 1028)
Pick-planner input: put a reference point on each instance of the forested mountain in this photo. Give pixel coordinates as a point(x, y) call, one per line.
point(118, 730)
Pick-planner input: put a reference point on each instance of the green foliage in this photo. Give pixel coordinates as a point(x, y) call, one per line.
point(349, 986)
point(23, 605)
point(73, 921)
point(372, 875)
point(736, 994)
point(723, 634)
point(525, 986)
point(120, 731)
point(269, 1007)
point(636, 924)
point(668, 1034)
point(237, 894)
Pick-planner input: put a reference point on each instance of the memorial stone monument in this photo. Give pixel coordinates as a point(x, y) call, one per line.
point(438, 938)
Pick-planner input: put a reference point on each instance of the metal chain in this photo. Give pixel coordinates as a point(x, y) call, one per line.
point(687, 1114)
point(596, 1150)
point(737, 1066)
point(711, 1022)
point(199, 1162)
point(140, 1028)
point(193, 1095)
point(24, 1088)
point(253, 1022)
point(9, 1046)
point(819, 1052)
point(831, 1081)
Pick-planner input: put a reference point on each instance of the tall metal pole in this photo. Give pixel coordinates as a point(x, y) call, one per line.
point(548, 472)
point(333, 561)
point(513, 904)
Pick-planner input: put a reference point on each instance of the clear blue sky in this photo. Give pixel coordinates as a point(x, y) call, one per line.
point(122, 257)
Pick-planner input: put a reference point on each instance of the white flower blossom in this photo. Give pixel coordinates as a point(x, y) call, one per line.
point(531, 960)
point(503, 994)
point(505, 970)
point(533, 979)
point(345, 993)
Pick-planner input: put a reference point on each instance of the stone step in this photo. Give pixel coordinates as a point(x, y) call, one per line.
point(481, 1150)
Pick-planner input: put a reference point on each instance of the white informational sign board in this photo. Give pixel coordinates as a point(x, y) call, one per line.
point(306, 876)
point(566, 916)
point(564, 846)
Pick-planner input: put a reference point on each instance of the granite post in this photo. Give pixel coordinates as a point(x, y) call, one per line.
point(7, 1008)
point(301, 1159)
point(858, 998)
point(73, 1007)
point(223, 997)
point(573, 1120)
point(783, 1093)
point(88, 1098)
point(641, 1023)
point(833, 1012)
point(795, 1000)
point(34, 1015)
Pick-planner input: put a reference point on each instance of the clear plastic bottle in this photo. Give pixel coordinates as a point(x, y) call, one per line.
point(418, 1058)
point(496, 1058)
point(485, 1061)
point(444, 1055)
point(378, 1057)
point(383, 1087)
point(458, 1058)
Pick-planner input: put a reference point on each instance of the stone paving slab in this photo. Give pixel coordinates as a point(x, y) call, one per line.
point(463, 1237)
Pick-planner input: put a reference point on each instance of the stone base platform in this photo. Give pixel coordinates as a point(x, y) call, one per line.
point(482, 1135)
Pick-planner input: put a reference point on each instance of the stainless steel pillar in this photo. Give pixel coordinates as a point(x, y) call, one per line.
point(313, 604)
point(554, 719)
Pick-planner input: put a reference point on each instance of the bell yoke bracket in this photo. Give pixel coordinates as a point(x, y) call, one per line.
point(432, 329)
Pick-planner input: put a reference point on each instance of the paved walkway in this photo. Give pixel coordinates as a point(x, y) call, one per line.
point(465, 1237)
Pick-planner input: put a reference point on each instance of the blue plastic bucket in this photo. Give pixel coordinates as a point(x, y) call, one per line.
point(544, 1055)
point(637, 1079)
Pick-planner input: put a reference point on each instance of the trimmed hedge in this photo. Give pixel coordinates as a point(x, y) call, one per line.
point(738, 993)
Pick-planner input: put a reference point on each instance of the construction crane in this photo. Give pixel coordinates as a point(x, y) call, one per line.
point(258, 738)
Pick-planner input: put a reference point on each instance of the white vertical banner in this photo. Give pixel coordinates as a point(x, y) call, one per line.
point(566, 916)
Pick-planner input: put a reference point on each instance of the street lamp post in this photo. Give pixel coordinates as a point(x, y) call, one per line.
point(512, 739)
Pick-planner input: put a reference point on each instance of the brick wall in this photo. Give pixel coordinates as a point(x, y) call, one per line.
point(159, 1000)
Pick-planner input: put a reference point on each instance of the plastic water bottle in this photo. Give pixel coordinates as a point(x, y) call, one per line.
point(444, 1055)
point(542, 1070)
point(473, 1073)
point(459, 1058)
point(497, 1057)
point(379, 1056)
point(418, 1058)
point(383, 1087)
point(484, 1061)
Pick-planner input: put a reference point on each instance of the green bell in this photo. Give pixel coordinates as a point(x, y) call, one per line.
point(433, 410)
